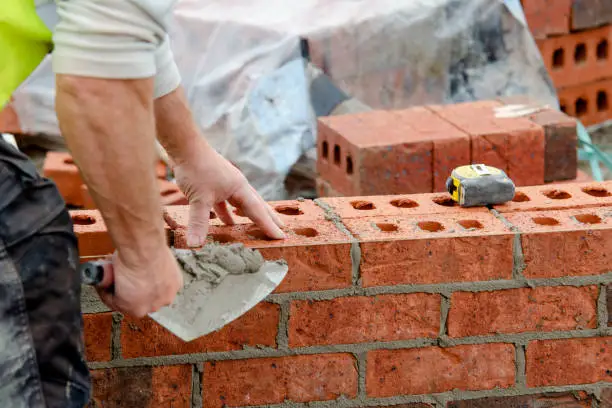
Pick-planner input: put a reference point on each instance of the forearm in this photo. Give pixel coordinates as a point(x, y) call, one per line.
point(176, 129)
point(109, 128)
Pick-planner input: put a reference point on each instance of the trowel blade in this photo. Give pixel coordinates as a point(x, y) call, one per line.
point(199, 311)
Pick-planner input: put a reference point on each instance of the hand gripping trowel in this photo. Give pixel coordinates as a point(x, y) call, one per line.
point(221, 283)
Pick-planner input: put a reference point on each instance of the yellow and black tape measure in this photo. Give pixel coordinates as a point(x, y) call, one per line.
point(478, 185)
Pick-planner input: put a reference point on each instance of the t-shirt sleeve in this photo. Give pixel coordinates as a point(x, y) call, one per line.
point(115, 39)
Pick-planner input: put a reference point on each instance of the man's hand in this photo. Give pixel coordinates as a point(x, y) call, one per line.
point(142, 288)
point(208, 180)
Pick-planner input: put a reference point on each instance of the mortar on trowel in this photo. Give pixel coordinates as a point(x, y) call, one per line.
point(221, 283)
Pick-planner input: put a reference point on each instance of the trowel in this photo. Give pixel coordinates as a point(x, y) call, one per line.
point(222, 282)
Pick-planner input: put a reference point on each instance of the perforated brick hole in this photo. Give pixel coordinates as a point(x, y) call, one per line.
point(81, 219)
point(222, 238)
point(602, 101)
point(520, 197)
point(306, 232)
point(387, 227)
point(404, 203)
point(546, 221)
point(290, 209)
point(444, 201)
point(337, 155)
point(256, 233)
point(558, 58)
point(588, 219)
point(68, 160)
point(349, 165)
point(596, 191)
point(168, 192)
point(430, 226)
point(363, 205)
point(325, 150)
point(602, 50)
point(557, 194)
point(212, 215)
point(580, 53)
point(581, 106)
point(470, 225)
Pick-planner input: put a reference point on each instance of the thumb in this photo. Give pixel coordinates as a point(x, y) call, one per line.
point(197, 229)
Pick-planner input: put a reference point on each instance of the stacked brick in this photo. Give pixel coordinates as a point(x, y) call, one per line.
point(574, 38)
point(404, 301)
point(414, 150)
point(61, 168)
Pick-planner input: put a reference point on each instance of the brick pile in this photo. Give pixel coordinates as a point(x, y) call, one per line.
point(61, 168)
point(414, 150)
point(405, 301)
point(574, 38)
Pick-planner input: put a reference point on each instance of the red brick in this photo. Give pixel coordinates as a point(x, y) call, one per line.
point(90, 229)
point(146, 338)
point(60, 168)
point(274, 380)
point(98, 333)
point(318, 254)
point(576, 399)
point(374, 153)
point(589, 102)
point(146, 387)
point(397, 205)
point(433, 369)
point(433, 249)
point(514, 145)
point(571, 361)
point(364, 319)
point(556, 244)
point(561, 158)
point(559, 197)
point(581, 63)
point(590, 13)
point(547, 17)
point(523, 310)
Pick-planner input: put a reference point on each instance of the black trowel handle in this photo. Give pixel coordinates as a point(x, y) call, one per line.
point(92, 273)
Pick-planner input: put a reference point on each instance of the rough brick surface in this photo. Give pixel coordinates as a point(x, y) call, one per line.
point(522, 310)
point(98, 333)
point(579, 399)
point(590, 102)
point(590, 13)
point(318, 254)
point(573, 60)
point(433, 249)
point(561, 158)
point(59, 167)
point(564, 243)
point(146, 387)
point(559, 197)
point(547, 17)
point(256, 328)
point(240, 383)
point(90, 229)
point(515, 145)
point(433, 369)
point(364, 319)
point(571, 361)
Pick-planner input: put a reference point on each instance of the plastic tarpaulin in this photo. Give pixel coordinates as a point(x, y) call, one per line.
point(242, 67)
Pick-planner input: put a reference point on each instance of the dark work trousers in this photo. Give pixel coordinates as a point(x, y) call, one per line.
point(42, 362)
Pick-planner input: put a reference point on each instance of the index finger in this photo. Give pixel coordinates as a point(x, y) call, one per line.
point(258, 211)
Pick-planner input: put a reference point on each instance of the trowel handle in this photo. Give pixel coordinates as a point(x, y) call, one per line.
point(92, 273)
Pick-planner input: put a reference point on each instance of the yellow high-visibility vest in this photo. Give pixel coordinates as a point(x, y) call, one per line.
point(25, 40)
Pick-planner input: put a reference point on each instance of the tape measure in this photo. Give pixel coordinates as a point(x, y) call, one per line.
point(478, 185)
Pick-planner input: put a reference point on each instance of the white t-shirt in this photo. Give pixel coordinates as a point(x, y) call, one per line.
point(120, 39)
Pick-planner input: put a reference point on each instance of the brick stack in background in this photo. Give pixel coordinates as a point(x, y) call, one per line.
point(414, 150)
point(61, 168)
point(400, 301)
point(574, 38)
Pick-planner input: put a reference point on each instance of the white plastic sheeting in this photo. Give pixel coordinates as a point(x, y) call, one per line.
point(248, 87)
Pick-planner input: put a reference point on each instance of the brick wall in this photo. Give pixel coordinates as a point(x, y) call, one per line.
point(403, 301)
